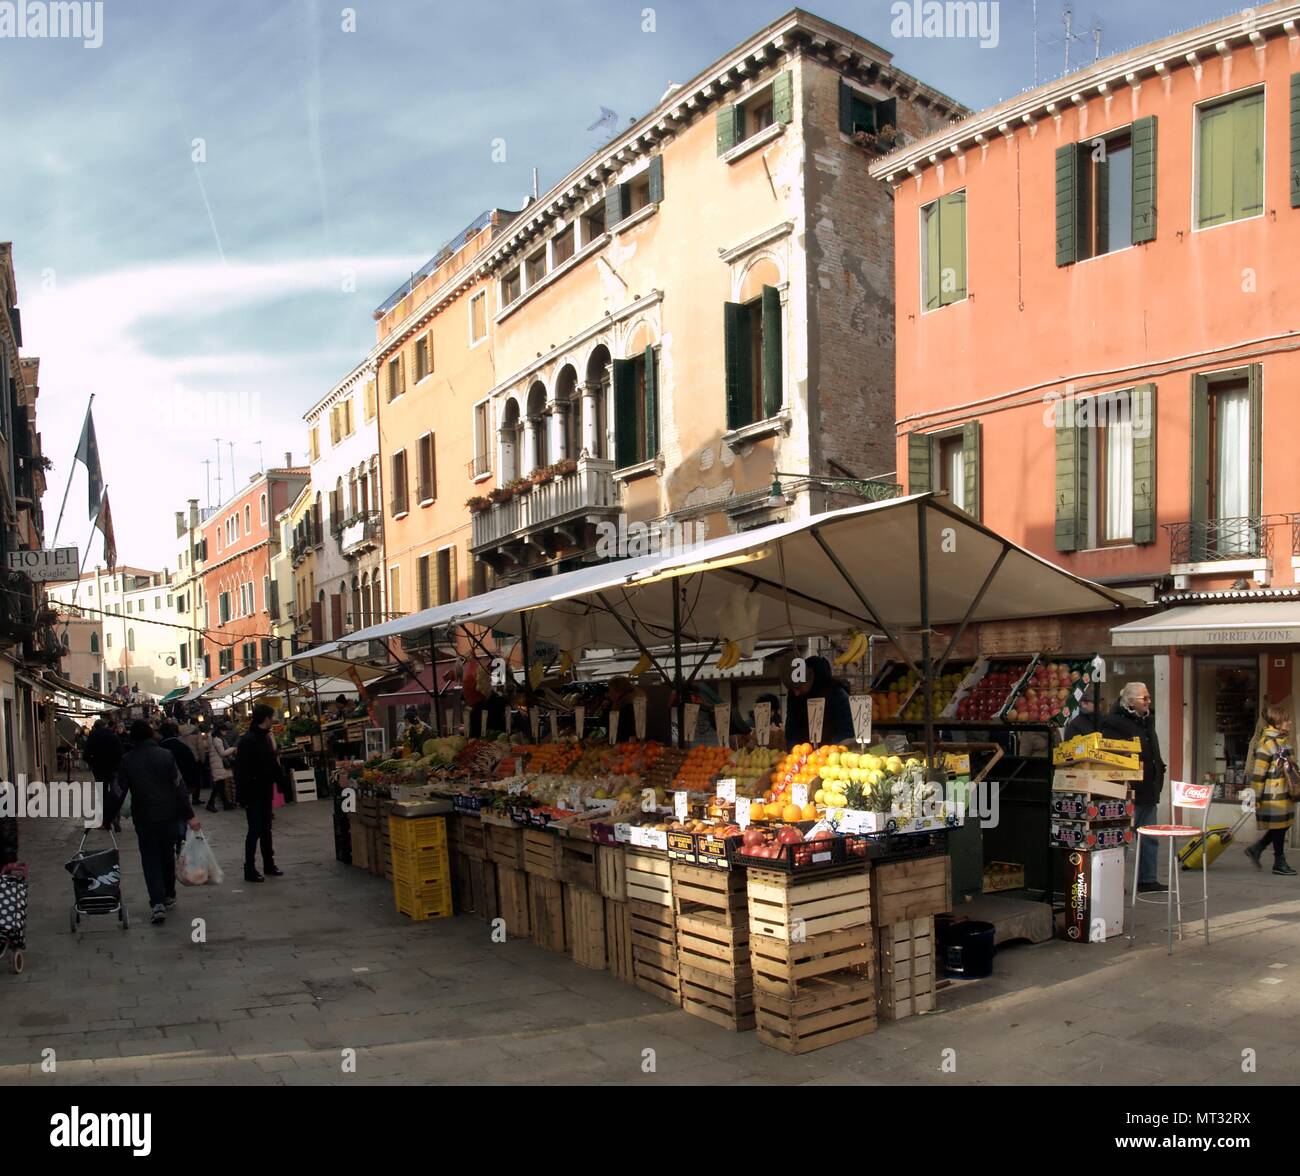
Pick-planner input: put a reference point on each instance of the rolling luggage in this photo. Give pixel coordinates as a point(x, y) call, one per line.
point(1217, 838)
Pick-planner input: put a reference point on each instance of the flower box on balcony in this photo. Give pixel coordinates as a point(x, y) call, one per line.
point(478, 504)
point(541, 475)
point(520, 486)
point(566, 465)
point(501, 494)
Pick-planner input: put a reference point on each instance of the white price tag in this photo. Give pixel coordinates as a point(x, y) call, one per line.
point(727, 791)
point(722, 721)
point(515, 788)
point(638, 715)
point(622, 831)
point(680, 805)
point(742, 811)
point(575, 798)
point(861, 707)
point(799, 794)
point(816, 715)
point(763, 723)
point(579, 719)
point(691, 715)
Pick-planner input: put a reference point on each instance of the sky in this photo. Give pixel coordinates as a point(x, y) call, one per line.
point(207, 207)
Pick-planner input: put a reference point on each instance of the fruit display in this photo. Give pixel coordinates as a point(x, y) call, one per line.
point(700, 769)
point(792, 848)
point(1051, 693)
point(893, 693)
point(944, 688)
point(751, 767)
point(552, 757)
point(986, 698)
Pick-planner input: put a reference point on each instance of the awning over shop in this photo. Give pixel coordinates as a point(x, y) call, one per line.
point(610, 664)
point(172, 695)
point(53, 681)
point(204, 687)
point(1264, 623)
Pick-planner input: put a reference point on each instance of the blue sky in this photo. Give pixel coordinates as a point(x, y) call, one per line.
point(214, 299)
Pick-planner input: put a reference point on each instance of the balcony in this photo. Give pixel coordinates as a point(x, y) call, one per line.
point(360, 534)
point(478, 466)
point(548, 516)
point(1220, 546)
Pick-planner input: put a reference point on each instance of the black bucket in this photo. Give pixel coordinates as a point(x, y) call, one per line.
point(966, 949)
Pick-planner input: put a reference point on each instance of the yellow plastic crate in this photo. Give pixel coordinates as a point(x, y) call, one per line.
point(422, 903)
point(421, 877)
point(418, 832)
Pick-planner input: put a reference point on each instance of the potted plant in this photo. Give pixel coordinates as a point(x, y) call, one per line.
point(542, 474)
point(478, 504)
point(565, 465)
point(502, 493)
point(880, 141)
point(521, 486)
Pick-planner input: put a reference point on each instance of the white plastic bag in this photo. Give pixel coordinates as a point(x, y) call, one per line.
point(197, 863)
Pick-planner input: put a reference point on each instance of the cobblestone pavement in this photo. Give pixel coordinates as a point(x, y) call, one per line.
point(301, 968)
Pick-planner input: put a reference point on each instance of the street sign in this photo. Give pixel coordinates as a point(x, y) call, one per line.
point(58, 563)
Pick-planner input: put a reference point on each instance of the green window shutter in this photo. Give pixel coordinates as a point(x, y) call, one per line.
point(919, 476)
point(651, 402)
point(1295, 140)
point(1215, 155)
point(952, 247)
point(1200, 462)
point(738, 362)
point(846, 107)
point(1248, 156)
point(1144, 180)
point(783, 97)
point(930, 240)
point(773, 367)
point(1255, 388)
point(1067, 213)
point(1068, 496)
point(729, 122)
point(624, 413)
point(970, 457)
point(887, 114)
point(615, 205)
point(1144, 467)
point(656, 179)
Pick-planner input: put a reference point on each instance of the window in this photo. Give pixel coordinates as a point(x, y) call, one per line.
point(130, 607)
point(248, 519)
point(245, 600)
point(593, 223)
point(130, 640)
point(636, 408)
point(108, 640)
point(169, 602)
point(394, 592)
point(369, 401)
point(446, 575)
point(742, 120)
point(423, 356)
point(861, 113)
point(1106, 193)
point(645, 188)
point(395, 388)
point(313, 442)
point(345, 414)
point(943, 251)
point(638, 192)
point(947, 462)
point(755, 369)
point(223, 608)
point(94, 682)
point(952, 470)
point(423, 583)
point(1230, 159)
point(427, 473)
point(535, 268)
point(248, 655)
point(94, 643)
point(400, 503)
point(184, 655)
point(510, 288)
point(261, 510)
point(225, 661)
point(478, 317)
point(562, 247)
point(1226, 465)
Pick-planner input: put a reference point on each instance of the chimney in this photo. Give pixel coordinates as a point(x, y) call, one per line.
point(288, 460)
point(194, 514)
point(180, 523)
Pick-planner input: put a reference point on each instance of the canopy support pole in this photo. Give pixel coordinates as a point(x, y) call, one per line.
point(970, 612)
point(927, 678)
point(433, 694)
point(679, 687)
point(632, 633)
point(862, 599)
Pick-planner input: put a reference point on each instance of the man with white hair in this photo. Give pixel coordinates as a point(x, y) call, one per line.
point(1131, 718)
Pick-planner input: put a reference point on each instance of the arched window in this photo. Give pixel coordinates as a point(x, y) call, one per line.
point(262, 508)
point(537, 421)
point(130, 640)
point(598, 395)
point(365, 600)
point(94, 643)
point(512, 429)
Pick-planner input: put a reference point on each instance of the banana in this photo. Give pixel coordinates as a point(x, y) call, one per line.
point(566, 661)
point(536, 672)
point(729, 657)
point(854, 652)
point(643, 664)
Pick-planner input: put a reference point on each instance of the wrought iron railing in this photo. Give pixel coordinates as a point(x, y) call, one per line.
point(478, 466)
point(1215, 540)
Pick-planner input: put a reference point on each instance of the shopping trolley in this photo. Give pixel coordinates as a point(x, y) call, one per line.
point(96, 884)
point(13, 914)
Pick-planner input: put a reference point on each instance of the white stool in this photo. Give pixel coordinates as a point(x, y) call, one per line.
point(1186, 796)
point(304, 784)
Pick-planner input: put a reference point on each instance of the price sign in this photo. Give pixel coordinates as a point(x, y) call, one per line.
point(799, 794)
point(515, 789)
point(763, 722)
point(722, 720)
point(613, 725)
point(680, 805)
point(638, 715)
point(579, 719)
point(861, 707)
point(727, 791)
point(692, 717)
point(534, 728)
point(622, 831)
point(816, 715)
point(742, 811)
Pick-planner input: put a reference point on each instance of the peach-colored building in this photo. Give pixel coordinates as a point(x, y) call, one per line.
point(1096, 355)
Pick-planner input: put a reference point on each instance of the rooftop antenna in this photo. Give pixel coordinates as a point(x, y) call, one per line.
point(220, 499)
point(1035, 19)
point(207, 475)
point(234, 485)
point(1067, 18)
point(535, 192)
point(1096, 39)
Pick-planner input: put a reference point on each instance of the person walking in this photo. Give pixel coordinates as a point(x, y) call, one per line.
point(189, 765)
point(159, 801)
point(220, 756)
point(1131, 718)
point(1274, 809)
point(103, 754)
point(257, 775)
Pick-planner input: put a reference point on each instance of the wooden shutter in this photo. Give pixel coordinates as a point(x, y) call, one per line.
point(1200, 460)
point(729, 120)
point(624, 413)
point(952, 242)
point(1215, 158)
point(970, 456)
point(1144, 180)
point(615, 205)
point(738, 363)
point(433, 465)
point(772, 351)
point(1067, 212)
point(1144, 467)
point(439, 593)
point(846, 107)
point(336, 614)
point(1255, 389)
point(1248, 156)
point(651, 402)
point(783, 97)
point(452, 593)
point(656, 179)
point(933, 275)
point(1068, 496)
point(1295, 140)
point(919, 477)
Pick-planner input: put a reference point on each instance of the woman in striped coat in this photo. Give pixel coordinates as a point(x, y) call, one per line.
point(1274, 809)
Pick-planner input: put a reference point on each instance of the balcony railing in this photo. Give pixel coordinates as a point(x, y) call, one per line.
point(360, 533)
point(478, 466)
point(1218, 540)
point(589, 488)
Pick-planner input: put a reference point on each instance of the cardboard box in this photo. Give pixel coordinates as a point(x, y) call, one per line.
point(1091, 835)
point(1094, 909)
point(1092, 783)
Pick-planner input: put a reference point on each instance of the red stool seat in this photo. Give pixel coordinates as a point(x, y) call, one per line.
point(1170, 830)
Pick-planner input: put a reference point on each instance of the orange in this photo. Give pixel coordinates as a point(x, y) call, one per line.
point(809, 812)
point(791, 813)
point(774, 812)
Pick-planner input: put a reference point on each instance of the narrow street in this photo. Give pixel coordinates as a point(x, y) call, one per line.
point(301, 968)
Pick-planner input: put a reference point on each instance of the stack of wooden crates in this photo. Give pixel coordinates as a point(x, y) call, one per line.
point(906, 897)
point(421, 868)
point(712, 924)
point(652, 925)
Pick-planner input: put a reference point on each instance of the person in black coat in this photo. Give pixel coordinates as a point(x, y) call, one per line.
point(189, 766)
point(103, 754)
point(837, 721)
point(159, 801)
point(1085, 721)
point(1131, 718)
point(257, 775)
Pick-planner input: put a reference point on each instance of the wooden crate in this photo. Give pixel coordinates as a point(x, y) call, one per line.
point(828, 1011)
point(503, 843)
point(649, 878)
point(462, 890)
point(360, 845)
point(578, 864)
point(471, 838)
point(710, 946)
point(375, 851)
point(718, 894)
point(584, 916)
point(654, 949)
point(902, 891)
point(546, 913)
point(618, 940)
point(728, 1002)
point(512, 896)
point(792, 908)
point(787, 970)
point(611, 872)
point(483, 888)
point(905, 977)
point(542, 854)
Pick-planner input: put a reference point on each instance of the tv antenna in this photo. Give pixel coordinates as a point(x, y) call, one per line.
point(207, 477)
point(220, 499)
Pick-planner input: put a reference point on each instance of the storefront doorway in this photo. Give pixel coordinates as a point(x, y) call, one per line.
point(1226, 708)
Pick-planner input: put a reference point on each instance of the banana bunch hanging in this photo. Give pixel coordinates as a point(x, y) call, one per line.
point(855, 651)
point(739, 617)
point(642, 666)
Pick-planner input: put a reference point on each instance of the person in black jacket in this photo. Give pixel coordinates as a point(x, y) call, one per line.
point(1131, 718)
point(1085, 722)
point(159, 801)
point(103, 754)
point(257, 775)
point(819, 682)
point(189, 766)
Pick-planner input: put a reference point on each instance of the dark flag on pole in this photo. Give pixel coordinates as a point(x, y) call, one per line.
point(88, 453)
point(104, 523)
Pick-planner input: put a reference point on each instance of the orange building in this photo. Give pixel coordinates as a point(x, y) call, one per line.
point(1097, 351)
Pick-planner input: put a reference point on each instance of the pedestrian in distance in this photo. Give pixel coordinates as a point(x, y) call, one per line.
point(1131, 718)
point(257, 775)
point(103, 754)
point(189, 766)
point(220, 756)
point(1271, 770)
point(159, 800)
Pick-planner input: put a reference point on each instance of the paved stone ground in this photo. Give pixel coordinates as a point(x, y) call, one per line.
point(304, 966)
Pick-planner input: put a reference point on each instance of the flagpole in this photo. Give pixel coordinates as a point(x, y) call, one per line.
point(71, 469)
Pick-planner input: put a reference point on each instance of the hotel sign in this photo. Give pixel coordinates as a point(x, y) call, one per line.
point(59, 563)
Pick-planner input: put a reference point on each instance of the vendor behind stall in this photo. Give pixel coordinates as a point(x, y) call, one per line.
point(818, 682)
point(416, 730)
point(479, 695)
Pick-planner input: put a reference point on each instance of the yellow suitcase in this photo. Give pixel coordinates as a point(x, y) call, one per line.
point(1217, 838)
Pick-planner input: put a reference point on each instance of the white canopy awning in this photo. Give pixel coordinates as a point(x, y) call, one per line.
point(1260, 623)
point(852, 568)
point(204, 687)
